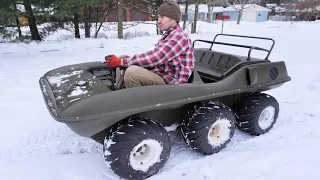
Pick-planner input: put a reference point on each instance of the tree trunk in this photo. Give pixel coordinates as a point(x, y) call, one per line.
point(86, 22)
point(89, 20)
point(120, 19)
point(239, 16)
point(309, 16)
point(196, 17)
point(158, 29)
point(210, 14)
point(185, 15)
point(18, 26)
point(104, 17)
point(76, 25)
point(97, 17)
point(17, 20)
point(157, 5)
point(31, 21)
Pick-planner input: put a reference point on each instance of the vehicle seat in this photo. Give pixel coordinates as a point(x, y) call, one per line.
point(212, 64)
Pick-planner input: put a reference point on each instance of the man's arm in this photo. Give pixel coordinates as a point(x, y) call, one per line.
point(164, 52)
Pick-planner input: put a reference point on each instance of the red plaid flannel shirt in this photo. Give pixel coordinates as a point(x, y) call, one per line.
point(172, 58)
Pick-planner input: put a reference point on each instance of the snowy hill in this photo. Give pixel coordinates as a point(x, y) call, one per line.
point(34, 146)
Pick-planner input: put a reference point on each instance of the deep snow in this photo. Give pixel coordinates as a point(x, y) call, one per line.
point(34, 146)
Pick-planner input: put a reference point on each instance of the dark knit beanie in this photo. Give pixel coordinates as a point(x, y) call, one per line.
point(171, 10)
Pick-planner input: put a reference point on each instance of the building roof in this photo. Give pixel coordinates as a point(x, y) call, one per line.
point(250, 7)
point(203, 8)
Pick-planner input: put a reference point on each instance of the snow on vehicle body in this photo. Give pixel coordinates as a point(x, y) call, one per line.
point(83, 97)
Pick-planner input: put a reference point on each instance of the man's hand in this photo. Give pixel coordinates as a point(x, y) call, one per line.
point(113, 61)
point(123, 56)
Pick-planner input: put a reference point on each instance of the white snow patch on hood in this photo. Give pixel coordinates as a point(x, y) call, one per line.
point(78, 91)
point(59, 78)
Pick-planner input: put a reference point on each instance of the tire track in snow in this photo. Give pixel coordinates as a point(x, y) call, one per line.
point(282, 136)
point(275, 150)
point(315, 84)
point(52, 142)
point(64, 141)
point(182, 153)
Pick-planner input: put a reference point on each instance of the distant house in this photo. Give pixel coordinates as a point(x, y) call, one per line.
point(255, 13)
point(135, 13)
point(251, 12)
point(132, 14)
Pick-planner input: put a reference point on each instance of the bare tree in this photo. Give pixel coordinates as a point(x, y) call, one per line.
point(17, 19)
point(157, 5)
point(196, 15)
point(102, 20)
point(211, 4)
point(120, 19)
point(185, 15)
point(290, 7)
point(240, 5)
point(309, 7)
point(112, 4)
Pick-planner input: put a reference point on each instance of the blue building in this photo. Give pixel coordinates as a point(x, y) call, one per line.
point(251, 12)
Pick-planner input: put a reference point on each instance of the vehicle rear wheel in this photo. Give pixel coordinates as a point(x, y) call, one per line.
point(137, 148)
point(256, 113)
point(209, 127)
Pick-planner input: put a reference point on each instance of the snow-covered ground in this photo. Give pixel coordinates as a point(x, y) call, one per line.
point(34, 146)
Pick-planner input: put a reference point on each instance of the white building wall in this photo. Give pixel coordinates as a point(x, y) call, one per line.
point(249, 16)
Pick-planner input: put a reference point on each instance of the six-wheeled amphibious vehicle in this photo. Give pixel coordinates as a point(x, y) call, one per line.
point(225, 91)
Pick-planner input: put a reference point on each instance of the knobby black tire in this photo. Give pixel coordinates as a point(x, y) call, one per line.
point(126, 135)
point(248, 110)
point(197, 123)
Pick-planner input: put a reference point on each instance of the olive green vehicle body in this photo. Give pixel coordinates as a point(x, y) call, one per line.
point(87, 103)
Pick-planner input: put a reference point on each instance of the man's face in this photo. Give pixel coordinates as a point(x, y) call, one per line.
point(165, 23)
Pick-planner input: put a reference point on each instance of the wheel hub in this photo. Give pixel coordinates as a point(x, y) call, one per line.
point(215, 131)
point(142, 152)
point(145, 154)
point(219, 132)
point(266, 117)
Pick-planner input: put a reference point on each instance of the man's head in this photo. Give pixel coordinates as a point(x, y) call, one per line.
point(169, 15)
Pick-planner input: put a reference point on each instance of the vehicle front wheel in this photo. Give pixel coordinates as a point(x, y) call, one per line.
point(137, 148)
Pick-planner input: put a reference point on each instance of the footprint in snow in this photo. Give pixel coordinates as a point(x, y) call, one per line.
point(54, 142)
